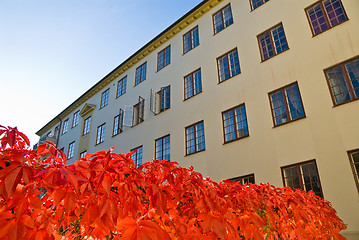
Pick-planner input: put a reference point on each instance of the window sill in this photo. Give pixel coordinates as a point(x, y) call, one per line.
point(340, 104)
point(189, 154)
point(162, 68)
point(192, 96)
point(289, 121)
point(230, 141)
point(223, 29)
point(99, 143)
point(228, 78)
point(314, 35)
point(274, 55)
point(190, 50)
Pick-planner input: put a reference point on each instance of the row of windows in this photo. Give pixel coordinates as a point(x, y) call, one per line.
point(286, 106)
point(271, 42)
point(305, 175)
point(323, 15)
point(302, 175)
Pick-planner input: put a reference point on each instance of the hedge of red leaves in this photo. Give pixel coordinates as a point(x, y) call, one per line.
point(105, 196)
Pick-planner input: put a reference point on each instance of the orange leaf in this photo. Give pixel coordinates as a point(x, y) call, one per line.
point(12, 179)
point(107, 183)
point(58, 195)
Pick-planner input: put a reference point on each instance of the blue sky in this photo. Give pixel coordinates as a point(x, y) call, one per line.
point(52, 51)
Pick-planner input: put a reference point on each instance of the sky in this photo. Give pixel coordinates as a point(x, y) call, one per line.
point(52, 51)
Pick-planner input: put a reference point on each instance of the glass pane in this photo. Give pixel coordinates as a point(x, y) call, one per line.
point(353, 71)
point(338, 85)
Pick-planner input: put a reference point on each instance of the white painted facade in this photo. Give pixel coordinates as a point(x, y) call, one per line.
point(326, 134)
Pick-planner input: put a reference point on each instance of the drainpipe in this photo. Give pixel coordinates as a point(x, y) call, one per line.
point(58, 134)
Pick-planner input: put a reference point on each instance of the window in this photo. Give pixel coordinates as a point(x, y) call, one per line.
point(286, 104)
point(228, 65)
point(121, 86)
point(162, 148)
point(71, 151)
point(354, 162)
point(195, 141)
point(161, 100)
point(118, 123)
point(190, 40)
point(164, 58)
point(82, 155)
point(141, 73)
point(100, 137)
point(138, 111)
point(222, 19)
point(302, 176)
point(75, 119)
point(65, 126)
point(56, 132)
point(343, 81)
point(192, 84)
point(272, 42)
point(325, 14)
point(235, 123)
point(104, 98)
point(87, 124)
point(257, 3)
point(137, 156)
point(134, 114)
point(247, 179)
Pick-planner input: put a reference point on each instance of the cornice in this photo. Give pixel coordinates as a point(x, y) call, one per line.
point(151, 46)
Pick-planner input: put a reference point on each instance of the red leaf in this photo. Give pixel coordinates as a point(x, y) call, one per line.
point(12, 180)
point(59, 195)
point(42, 149)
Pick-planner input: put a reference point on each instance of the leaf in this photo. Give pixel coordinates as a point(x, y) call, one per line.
point(59, 195)
point(107, 183)
point(5, 226)
point(42, 149)
point(12, 180)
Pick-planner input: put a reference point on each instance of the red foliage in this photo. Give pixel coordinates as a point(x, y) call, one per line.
point(104, 195)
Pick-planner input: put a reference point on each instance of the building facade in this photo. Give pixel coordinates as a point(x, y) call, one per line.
point(250, 90)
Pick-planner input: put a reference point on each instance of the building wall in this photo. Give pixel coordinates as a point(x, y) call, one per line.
point(325, 135)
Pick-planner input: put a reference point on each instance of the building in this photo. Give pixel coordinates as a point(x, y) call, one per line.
point(256, 91)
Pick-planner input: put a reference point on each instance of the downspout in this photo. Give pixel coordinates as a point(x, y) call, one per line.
point(58, 134)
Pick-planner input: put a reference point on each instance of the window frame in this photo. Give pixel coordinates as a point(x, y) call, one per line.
point(86, 129)
point(352, 165)
point(100, 134)
point(194, 125)
point(325, 15)
point(119, 124)
point(71, 150)
point(105, 95)
point(65, 126)
point(223, 22)
point(282, 89)
point(138, 108)
point(137, 153)
point(272, 42)
point(142, 72)
point(347, 81)
point(75, 119)
point(235, 123)
point(254, 8)
point(301, 181)
point(121, 85)
point(190, 32)
point(164, 58)
point(229, 64)
point(241, 179)
point(193, 83)
point(83, 153)
point(162, 147)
